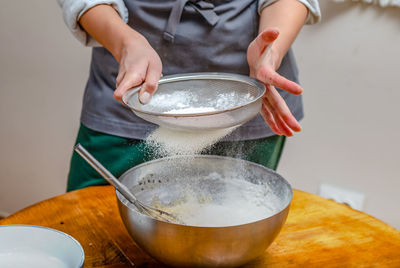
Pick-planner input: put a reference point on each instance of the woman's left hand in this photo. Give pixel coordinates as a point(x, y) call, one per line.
point(263, 61)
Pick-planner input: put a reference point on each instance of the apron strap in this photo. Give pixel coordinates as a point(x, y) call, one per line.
point(204, 8)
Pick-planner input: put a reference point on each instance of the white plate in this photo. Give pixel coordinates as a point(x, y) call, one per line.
point(36, 246)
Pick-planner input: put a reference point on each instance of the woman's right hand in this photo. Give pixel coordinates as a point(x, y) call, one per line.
point(139, 64)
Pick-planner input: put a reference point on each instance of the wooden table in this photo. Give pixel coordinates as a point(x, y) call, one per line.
point(317, 233)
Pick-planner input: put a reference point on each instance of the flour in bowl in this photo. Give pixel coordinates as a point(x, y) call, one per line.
point(215, 201)
point(28, 257)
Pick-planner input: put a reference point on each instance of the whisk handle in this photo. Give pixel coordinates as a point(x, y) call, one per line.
point(105, 173)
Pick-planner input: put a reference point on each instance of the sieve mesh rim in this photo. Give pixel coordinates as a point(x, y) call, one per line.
point(199, 76)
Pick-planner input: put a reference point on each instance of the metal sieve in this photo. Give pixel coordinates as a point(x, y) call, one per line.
point(200, 101)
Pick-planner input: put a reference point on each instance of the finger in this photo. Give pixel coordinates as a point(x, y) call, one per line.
point(283, 128)
point(269, 76)
point(265, 38)
point(269, 118)
point(151, 84)
point(279, 105)
point(282, 125)
point(130, 80)
point(120, 76)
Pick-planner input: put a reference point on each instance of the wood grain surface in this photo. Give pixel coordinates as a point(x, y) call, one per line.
point(317, 233)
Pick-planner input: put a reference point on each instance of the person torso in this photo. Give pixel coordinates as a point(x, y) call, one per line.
point(209, 37)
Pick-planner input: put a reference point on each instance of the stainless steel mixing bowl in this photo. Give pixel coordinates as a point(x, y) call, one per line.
point(191, 246)
point(205, 89)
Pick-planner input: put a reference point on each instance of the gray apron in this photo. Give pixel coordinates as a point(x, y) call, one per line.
point(189, 36)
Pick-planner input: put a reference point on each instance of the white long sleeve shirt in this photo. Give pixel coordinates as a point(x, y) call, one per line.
point(74, 9)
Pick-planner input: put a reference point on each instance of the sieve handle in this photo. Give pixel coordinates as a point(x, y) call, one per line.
point(105, 173)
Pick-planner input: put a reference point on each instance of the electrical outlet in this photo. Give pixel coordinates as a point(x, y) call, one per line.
point(349, 197)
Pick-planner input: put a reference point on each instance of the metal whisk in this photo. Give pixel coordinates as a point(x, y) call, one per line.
point(150, 211)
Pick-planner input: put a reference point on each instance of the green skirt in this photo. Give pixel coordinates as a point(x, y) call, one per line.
point(120, 154)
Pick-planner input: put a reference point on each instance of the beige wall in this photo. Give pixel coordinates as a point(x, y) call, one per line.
point(349, 69)
point(42, 73)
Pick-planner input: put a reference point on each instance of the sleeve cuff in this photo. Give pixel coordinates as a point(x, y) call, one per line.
point(73, 10)
point(314, 12)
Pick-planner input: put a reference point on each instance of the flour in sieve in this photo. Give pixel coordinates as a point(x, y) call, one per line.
point(191, 110)
point(187, 101)
point(166, 101)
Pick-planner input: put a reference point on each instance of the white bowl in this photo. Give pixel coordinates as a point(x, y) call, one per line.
point(36, 246)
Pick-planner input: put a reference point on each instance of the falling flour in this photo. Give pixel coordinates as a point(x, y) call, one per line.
point(209, 200)
point(167, 142)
